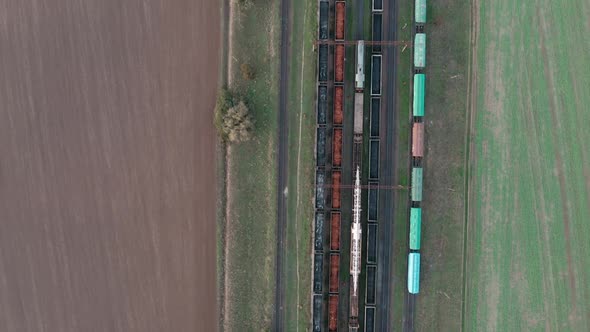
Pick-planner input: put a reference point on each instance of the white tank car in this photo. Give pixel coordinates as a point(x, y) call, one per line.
point(360, 66)
point(356, 237)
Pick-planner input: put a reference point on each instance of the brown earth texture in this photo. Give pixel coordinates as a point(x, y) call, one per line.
point(107, 179)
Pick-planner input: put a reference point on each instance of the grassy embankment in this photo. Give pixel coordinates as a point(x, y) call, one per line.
point(530, 194)
point(300, 211)
point(251, 231)
point(438, 307)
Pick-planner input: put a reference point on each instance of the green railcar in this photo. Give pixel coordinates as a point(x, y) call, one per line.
point(419, 86)
point(414, 273)
point(417, 184)
point(420, 11)
point(415, 228)
point(420, 50)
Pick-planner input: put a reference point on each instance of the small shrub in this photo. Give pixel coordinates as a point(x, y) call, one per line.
point(225, 101)
point(247, 72)
point(245, 4)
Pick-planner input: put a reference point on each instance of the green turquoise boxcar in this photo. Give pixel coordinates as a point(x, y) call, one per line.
point(420, 11)
point(417, 184)
point(419, 84)
point(420, 50)
point(415, 225)
point(414, 273)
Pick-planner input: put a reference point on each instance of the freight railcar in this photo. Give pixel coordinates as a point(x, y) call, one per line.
point(418, 140)
point(414, 273)
point(419, 91)
point(335, 231)
point(415, 225)
point(340, 15)
point(417, 184)
point(420, 50)
point(420, 13)
point(359, 78)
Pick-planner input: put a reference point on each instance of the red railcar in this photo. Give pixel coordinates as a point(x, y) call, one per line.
point(337, 147)
point(333, 313)
point(418, 140)
point(340, 15)
point(339, 64)
point(336, 177)
point(338, 105)
point(335, 231)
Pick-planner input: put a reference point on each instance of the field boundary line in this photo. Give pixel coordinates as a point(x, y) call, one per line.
point(470, 111)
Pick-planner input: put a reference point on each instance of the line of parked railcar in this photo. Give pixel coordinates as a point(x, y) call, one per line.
point(417, 146)
point(320, 225)
point(371, 265)
point(326, 265)
point(337, 131)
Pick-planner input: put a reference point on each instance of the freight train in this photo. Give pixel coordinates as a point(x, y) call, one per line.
point(417, 147)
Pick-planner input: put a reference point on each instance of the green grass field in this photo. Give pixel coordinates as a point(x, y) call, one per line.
point(300, 210)
point(251, 245)
point(529, 230)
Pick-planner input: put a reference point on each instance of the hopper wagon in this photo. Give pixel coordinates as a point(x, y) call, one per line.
point(376, 75)
point(339, 64)
point(335, 231)
point(337, 147)
point(340, 15)
point(319, 231)
point(333, 313)
point(338, 105)
point(323, 32)
point(334, 272)
point(317, 313)
point(336, 179)
point(318, 273)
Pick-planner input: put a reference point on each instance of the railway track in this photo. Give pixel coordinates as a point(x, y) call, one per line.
point(283, 159)
point(388, 162)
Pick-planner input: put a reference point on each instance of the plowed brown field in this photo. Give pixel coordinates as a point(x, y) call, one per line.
point(107, 196)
